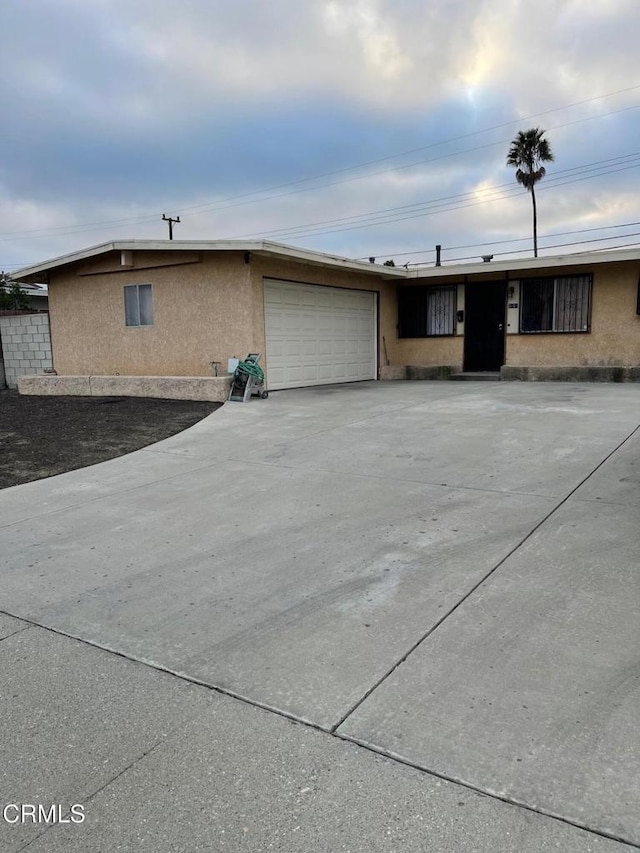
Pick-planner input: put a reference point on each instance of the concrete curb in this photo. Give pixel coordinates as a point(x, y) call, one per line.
point(214, 389)
point(416, 371)
point(570, 373)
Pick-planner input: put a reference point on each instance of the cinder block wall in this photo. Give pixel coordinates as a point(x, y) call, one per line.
point(26, 345)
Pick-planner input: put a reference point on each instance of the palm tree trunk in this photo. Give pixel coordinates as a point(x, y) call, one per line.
point(535, 223)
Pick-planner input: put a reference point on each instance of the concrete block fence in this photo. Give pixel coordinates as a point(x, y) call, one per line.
point(26, 345)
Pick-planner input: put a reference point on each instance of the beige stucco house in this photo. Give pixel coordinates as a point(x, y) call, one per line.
point(172, 308)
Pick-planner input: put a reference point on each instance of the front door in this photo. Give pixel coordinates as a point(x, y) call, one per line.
point(484, 323)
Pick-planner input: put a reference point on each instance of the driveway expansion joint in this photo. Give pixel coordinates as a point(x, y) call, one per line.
point(17, 631)
point(88, 797)
point(477, 585)
point(485, 792)
point(331, 731)
point(107, 495)
point(386, 478)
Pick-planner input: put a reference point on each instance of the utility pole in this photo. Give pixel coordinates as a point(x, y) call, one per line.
point(170, 221)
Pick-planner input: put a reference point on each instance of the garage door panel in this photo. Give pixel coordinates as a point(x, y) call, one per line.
point(317, 334)
point(326, 299)
point(291, 297)
point(324, 324)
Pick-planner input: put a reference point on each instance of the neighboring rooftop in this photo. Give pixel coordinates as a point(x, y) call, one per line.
point(31, 289)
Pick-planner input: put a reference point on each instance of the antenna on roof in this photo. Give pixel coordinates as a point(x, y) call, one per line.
point(170, 221)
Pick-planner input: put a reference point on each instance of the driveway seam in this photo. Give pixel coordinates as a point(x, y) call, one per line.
point(394, 479)
point(485, 792)
point(331, 732)
point(18, 631)
point(601, 502)
point(152, 448)
point(251, 463)
point(102, 497)
point(95, 793)
point(478, 584)
point(307, 435)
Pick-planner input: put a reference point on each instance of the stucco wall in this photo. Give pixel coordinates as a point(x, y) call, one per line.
point(614, 337)
point(207, 307)
point(430, 351)
point(615, 328)
point(202, 313)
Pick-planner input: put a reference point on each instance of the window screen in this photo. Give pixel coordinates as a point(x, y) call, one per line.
point(138, 305)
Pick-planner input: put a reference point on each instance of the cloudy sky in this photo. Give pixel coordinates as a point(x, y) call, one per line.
point(360, 127)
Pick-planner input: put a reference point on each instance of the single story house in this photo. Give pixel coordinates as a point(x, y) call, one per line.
point(180, 308)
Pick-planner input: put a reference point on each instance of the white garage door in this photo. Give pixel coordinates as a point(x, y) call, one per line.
point(318, 335)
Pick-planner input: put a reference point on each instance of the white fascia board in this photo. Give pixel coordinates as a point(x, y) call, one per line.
point(70, 258)
point(134, 245)
point(270, 249)
point(324, 259)
point(261, 247)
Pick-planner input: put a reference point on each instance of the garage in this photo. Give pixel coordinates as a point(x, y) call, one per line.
point(318, 335)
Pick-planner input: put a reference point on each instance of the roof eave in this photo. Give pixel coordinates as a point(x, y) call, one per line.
point(259, 247)
point(514, 265)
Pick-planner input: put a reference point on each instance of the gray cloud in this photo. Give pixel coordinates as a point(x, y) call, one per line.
point(117, 110)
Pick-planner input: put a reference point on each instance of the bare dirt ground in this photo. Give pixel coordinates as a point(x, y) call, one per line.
point(43, 436)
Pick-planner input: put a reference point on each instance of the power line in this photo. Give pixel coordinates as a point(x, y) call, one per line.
point(544, 248)
point(220, 203)
point(510, 240)
point(426, 147)
point(80, 229)
point(415, 205)
point(445, 205)
point(443, 209)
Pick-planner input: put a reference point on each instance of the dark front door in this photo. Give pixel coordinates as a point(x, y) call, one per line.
point(484, 322)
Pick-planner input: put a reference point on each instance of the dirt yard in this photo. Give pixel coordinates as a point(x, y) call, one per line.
point(43, 436)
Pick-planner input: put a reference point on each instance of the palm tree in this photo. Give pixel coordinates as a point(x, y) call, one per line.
point(528, 151)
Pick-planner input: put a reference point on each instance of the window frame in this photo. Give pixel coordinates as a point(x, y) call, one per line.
point(420, 305)
point(139, 321)
point(553, 309)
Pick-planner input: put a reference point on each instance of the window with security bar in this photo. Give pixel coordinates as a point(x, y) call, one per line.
point(425, 312)
point(561, 304)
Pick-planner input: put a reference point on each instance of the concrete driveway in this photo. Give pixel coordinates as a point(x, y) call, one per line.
point(375, 617)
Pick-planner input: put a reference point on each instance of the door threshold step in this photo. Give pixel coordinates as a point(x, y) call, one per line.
point(477, 376)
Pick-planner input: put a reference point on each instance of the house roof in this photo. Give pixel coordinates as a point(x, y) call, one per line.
point(37, 272)
point(256, 247)
point(515, 265)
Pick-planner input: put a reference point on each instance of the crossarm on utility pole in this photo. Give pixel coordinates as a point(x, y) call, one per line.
point(170, 221)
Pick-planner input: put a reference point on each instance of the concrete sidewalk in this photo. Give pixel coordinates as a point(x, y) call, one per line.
point(376, 617)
